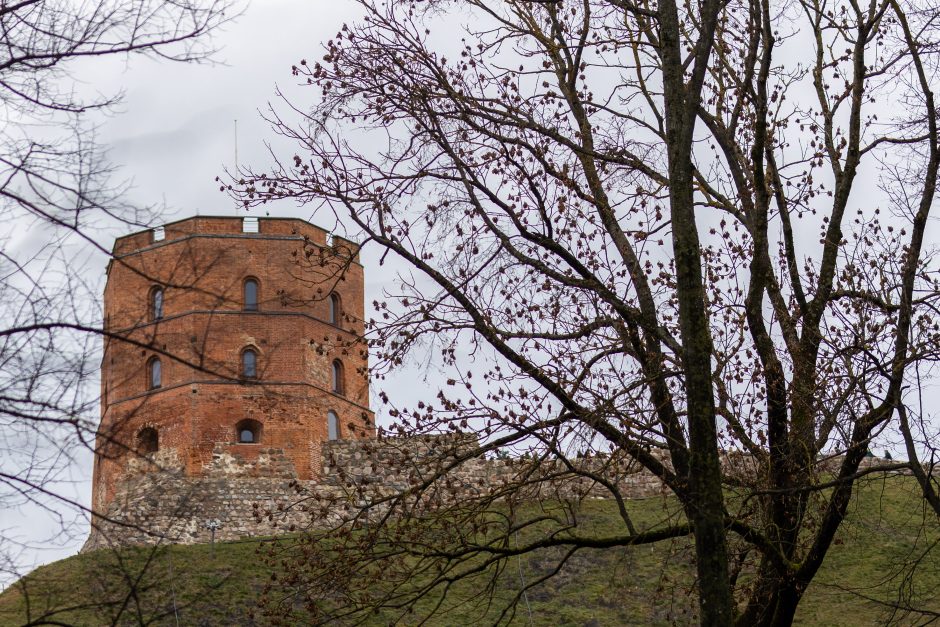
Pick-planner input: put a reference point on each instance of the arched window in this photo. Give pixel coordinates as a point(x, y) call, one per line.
point(248, 431)
point(249, 363)
point(148, 441)
point(154, 374)
point(336, 380)
point(336, 309)
point(251, 295)
point(332, 425)
point(156, 303)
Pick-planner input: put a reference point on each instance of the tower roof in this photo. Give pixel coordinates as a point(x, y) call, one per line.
point(229, 226)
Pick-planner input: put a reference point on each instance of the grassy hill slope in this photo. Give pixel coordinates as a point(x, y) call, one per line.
point(866, 572)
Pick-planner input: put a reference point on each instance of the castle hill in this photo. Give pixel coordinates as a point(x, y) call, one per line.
point(469, 312)
point(235, 410)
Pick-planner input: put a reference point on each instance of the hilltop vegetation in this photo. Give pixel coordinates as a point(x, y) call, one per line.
point(866, 574)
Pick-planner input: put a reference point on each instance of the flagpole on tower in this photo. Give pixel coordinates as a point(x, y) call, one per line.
point(236, 153)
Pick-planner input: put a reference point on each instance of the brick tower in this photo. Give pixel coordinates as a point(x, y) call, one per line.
point(230, 340)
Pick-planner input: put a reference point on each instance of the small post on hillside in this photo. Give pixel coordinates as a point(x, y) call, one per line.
point(212, 525)
point(364, 506)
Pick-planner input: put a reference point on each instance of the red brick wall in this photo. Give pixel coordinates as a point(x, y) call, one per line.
point(201, 265)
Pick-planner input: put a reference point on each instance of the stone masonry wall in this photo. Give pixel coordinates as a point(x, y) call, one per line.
point(264, 497)
point(157, 502)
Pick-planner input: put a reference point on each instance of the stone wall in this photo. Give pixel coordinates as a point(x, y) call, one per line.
point(265, 497)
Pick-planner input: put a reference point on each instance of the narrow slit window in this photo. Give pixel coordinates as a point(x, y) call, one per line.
point(156, 303)
point(155, 374)
point(251, 295)
point(332, 425)
point(337, 382)
point(336, 310)
point(249, 363)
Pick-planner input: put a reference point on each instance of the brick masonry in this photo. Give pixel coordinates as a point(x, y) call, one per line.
point(201, 265)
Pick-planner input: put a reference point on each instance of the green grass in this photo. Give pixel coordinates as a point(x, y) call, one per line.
point(887, 532)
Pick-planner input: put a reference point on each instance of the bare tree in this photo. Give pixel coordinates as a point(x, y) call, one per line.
point(55, 190)
point(659, 229)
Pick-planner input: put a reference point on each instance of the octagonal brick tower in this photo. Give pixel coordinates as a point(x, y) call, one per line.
point(230, 338)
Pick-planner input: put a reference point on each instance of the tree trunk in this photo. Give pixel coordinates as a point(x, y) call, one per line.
point(787, 601)
point(705, 502)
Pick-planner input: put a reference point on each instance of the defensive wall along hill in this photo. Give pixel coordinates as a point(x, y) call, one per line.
point(235, 391)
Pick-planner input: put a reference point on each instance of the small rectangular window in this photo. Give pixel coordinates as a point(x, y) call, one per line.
point(332, 425)
point(158, 234)
point(250, 225)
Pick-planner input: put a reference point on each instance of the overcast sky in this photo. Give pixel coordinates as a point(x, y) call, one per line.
point(176, 128)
